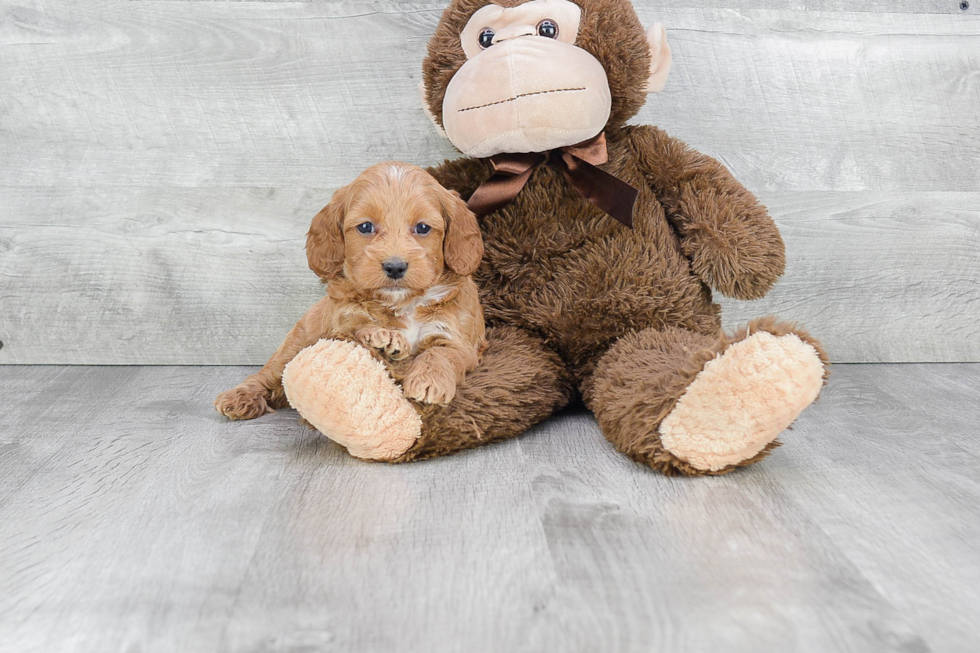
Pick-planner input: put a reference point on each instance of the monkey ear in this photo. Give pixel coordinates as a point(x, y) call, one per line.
point(462, 246)
point(325, 239)
point(428, 111)
point(659, 58)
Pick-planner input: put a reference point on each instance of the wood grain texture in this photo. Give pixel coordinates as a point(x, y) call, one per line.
point(307, 94)
point(218, 276)
point(132, 517)
point(160, 162)
point(878, 276)
point(879, 6)
point(863, 6)
point(154, 275)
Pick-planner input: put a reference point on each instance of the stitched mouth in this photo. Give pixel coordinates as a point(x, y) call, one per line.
point(522, 95)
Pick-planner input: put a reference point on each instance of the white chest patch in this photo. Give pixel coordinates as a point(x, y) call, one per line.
point(430, 296)
point(417, 332)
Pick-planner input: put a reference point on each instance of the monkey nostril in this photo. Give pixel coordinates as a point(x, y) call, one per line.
point(395, 268)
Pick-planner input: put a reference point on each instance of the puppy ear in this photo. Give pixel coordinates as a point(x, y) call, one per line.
point(325, 239)
point(462, 247)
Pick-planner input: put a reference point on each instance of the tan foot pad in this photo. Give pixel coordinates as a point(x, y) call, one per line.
point(348, 395)
point(742, 400)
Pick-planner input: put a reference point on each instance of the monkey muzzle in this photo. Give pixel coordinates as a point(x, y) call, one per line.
point(527, 94)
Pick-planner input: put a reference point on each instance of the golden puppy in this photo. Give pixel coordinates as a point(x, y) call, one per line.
point(395, 250)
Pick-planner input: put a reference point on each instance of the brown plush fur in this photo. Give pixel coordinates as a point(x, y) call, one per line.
point(427, 326)
point(625, 316)
point(518, 383)
point(640, 379)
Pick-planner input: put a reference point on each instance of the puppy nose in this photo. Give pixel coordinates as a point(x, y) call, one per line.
point(394, 268)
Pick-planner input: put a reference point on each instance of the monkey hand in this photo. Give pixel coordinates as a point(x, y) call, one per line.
point(734, 258)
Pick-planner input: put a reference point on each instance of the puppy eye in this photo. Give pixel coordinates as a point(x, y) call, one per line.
point(422, 228)
point(366, 228)
point(486, 38)
point(548, 29)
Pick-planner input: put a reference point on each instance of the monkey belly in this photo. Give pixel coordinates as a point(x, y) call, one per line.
point(582, 280)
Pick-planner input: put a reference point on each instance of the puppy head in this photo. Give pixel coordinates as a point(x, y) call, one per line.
point(394, 228)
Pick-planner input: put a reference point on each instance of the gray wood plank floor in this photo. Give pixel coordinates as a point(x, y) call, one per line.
point(133, 518)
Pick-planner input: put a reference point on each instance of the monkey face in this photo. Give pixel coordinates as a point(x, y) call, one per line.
point(525, 86)
point(534, 75)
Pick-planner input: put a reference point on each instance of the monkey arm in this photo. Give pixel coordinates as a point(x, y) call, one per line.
point(733, 244)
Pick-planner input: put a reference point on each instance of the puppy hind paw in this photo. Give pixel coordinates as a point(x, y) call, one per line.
point(243, 403)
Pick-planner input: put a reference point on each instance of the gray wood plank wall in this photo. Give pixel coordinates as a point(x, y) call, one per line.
point(160, 162)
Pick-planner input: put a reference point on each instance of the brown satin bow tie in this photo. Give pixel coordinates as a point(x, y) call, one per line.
point(578, 164)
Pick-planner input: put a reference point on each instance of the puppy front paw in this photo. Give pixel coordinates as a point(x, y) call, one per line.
point(429, 385)
point(390, 344)
point(243, 402)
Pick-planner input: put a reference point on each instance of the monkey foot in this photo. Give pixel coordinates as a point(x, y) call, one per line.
point(348, 395)
point(742, 400)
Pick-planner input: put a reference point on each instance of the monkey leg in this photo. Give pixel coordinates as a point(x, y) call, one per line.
point(687, 403)
point(350, 397)
point(519, 383)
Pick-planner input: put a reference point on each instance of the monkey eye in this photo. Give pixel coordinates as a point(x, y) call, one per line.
point(421, 229)
point(548, 29)
point(366, 228)
point(486, 38)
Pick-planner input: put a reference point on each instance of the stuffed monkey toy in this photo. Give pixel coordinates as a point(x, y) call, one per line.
point(603, 242)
